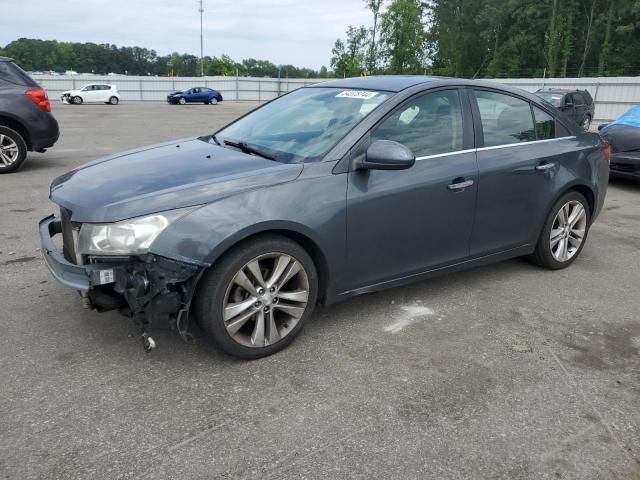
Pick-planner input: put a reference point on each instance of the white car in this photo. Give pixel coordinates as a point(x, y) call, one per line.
point(93, 93)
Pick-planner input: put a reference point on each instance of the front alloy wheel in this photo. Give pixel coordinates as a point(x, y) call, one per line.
point(265, 300)
point(255, 301)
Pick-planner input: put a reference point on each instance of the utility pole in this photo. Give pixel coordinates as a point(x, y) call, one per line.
point(201, 10)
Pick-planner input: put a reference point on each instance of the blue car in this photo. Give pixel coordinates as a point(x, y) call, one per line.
point(195, 95)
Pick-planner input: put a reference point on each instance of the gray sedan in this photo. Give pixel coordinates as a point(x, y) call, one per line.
point(334, 190)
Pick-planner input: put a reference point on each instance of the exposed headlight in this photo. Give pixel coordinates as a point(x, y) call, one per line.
point(129, 237)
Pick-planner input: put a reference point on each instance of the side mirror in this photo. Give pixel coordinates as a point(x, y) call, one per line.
point(602, 125)
point(387, 155)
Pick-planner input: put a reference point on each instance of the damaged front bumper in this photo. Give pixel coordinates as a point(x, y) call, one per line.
point(148, 288)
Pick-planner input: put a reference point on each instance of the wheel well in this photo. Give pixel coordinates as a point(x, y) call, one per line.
point(311, 247)
point(588, 194)
point(18, 127)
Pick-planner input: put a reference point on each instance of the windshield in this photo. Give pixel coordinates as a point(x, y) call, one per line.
point(303, 125)
point(554, 99)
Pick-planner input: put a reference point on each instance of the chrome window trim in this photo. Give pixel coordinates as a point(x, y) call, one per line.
point(525, 143)
point(495, 147)
point(456, 152)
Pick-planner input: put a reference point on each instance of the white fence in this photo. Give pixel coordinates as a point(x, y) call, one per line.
point(157, 88)
point(612, 95)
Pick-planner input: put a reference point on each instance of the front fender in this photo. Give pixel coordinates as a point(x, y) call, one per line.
point(312, 206)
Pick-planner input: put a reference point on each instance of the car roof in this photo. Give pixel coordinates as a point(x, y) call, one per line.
point(389, 83)
point(6, 59)
point(557, 90)
point(397, 83)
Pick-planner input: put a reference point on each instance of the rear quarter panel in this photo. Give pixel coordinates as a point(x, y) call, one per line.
point(585, 165)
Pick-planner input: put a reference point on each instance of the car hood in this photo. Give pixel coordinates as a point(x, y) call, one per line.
point(163, 177)
point(70, 92)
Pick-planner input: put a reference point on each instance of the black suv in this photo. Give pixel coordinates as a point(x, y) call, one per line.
point(576, 104)
point(26, 122)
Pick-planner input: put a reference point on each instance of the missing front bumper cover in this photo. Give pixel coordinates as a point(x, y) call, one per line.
point(147, 288)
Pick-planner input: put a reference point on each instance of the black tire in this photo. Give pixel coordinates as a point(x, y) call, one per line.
point(76, 100)
point(212, 289)
point(22, 150)
point(542, 255)
point(114, 100)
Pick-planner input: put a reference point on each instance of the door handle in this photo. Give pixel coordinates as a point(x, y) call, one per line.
point(543, 167)
point(460, 185)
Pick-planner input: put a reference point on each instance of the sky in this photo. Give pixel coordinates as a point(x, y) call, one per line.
point(299, 32)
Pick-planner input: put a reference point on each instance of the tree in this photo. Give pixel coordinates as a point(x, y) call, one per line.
point(402, 37)
point(463, 33)
point(589, 15)
point(33, 54)
point(606, 46)
point(372, 60)
point(348, 57)
point(223, 66)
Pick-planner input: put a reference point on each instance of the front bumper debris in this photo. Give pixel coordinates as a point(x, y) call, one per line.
point(147, 288)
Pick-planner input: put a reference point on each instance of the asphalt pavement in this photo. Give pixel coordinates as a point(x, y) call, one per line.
point(503, 372)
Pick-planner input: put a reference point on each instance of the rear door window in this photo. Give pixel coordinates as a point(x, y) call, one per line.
point(505, 119)
point(578, 99)
point(12, 73)
point(569, 100)
point(545, 124)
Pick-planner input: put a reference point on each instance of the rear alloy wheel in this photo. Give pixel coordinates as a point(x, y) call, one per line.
point(13, 150)
point(76, 100)
point(182, 101)
point(256, 300)
point(564, 232)
point(213, 101)
point(113, 100)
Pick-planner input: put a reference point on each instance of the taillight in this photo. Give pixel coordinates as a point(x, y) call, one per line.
point(39, 97)
point(606, 149)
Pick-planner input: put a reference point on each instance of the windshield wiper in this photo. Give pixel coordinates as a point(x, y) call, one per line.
point(247, 149)
point(213, 137)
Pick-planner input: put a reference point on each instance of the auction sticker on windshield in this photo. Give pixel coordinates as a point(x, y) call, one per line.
point(359, 94)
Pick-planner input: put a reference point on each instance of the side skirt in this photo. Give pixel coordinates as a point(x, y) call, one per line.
point(435, 272)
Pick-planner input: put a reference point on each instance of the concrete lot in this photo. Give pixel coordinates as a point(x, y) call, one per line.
point(505, 372)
